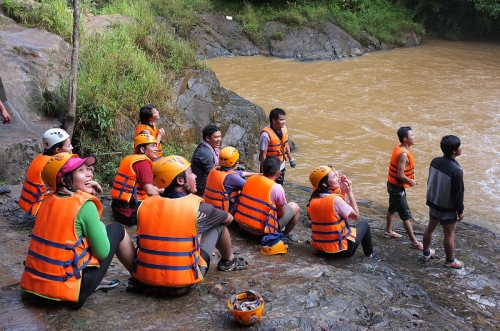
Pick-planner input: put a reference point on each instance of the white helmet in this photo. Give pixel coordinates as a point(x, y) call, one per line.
point(54, 136)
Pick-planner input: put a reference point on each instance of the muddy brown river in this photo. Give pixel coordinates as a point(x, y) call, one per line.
point(347, 112)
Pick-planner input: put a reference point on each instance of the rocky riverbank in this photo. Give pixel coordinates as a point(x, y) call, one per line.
point(302, 291)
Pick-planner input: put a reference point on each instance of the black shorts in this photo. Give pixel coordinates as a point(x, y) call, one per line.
point(397, 201)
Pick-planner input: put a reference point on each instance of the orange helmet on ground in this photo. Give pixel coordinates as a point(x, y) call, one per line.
point(317, 175)
point(228, 156)
point(144, 138)
point(279, 248)
point(167, 168)
point(247, 307)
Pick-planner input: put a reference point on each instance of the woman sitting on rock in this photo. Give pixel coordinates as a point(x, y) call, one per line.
point(70, 248)
point(329, 213)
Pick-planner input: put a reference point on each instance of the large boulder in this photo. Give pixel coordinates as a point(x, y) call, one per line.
point(34, 63)
point(218, 35)
point(204, 101)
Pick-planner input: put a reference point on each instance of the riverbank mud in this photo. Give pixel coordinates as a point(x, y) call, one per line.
point(302, 290)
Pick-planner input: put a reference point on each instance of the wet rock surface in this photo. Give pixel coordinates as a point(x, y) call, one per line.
point(302, 290)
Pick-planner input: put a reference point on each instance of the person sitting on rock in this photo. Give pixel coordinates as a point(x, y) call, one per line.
point(149, 115)
point(262, 207)
point(329, 213)
point(177, 233)
point(54, 141)
point(70, 248)
point(134, 180)
point(225, 181)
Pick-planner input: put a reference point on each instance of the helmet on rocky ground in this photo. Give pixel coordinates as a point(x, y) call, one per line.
point(279, 248)
point(228, 156)
point(143, 138)
point(247, 307)
point(167, 168)
point(317, 175)
point(53, 136)
point(52, 168)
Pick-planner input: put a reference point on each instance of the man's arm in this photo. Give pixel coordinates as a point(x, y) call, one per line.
point(457, 192)
point(402, 163)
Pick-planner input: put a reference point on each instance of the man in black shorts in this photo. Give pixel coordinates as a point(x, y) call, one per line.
point(445, 198)
point(401, 176)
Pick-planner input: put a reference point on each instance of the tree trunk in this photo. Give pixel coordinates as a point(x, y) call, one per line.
point(69, 123)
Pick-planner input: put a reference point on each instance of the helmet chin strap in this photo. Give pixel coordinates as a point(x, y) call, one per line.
point(187, 187)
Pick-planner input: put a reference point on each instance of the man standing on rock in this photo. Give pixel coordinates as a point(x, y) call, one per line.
point(445, 198)
point(401, 175)
point(206, 156)
point(273, 141)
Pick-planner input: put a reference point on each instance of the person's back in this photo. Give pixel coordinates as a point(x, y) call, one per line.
point(133, 182)
point(215, 190)
point(33, 192)
point(262, 207)
point(255, 210)
point(225, 182)
point(177, 235)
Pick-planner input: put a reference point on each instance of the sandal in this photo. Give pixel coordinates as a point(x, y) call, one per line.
point(392, 235)
point(238, 263)
point(112, 284)
point(417, 246)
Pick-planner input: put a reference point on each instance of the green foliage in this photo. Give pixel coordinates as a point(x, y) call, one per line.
point(52, 15)
point(181, 13)
point(458, 19)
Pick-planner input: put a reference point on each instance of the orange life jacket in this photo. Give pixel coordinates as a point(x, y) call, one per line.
point(154, 132)
point(168, 243)
point(215, 193)
point(254, 208)
point(392, 177)
point(33, 190)
point(277, 146)
point(56, 255)
point(329, 231)
point(125, 185)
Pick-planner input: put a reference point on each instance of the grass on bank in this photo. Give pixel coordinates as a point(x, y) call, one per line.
point(384, 19)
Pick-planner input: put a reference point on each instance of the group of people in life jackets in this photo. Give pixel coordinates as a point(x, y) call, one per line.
point(177, 230)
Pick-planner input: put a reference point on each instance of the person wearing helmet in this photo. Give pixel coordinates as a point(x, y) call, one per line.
point(262, 207)
point(134, 180)
point(273, 141)
point(206, 156)
point(177, 232)
point(148, 116)
point(68, 228)
point(329, 213)
point(225, 182)
point(54, 141)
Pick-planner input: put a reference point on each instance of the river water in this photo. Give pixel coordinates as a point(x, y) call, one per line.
point(346, 113)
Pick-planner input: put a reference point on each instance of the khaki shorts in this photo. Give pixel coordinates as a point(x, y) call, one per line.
point(286, 218)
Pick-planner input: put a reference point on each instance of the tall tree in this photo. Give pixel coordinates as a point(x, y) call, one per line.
point(69, 123)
